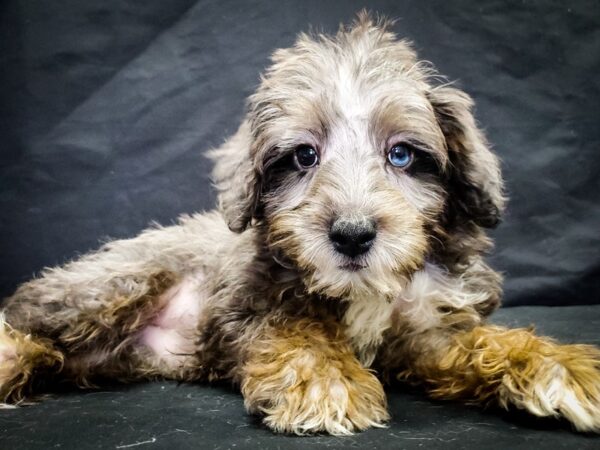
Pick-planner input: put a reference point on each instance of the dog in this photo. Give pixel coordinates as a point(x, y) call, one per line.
point(347, 251)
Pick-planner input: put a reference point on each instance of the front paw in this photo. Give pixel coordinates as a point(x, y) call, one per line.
point(565, 382)
point(303, 392)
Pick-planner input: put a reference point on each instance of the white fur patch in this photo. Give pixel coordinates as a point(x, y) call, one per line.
point(366, 320)
point(349, 99)
point(554, 395)
point(430, 289)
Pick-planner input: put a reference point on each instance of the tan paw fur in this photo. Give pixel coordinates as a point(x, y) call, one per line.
point(303, 382)
point(21, 357)
point(566, 383)
point(515, 367)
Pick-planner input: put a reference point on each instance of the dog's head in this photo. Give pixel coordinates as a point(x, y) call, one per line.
point(355, 162)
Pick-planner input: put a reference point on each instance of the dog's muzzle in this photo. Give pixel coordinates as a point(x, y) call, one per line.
point(352, 237)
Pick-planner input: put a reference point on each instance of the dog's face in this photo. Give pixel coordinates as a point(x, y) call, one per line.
point(354, 162)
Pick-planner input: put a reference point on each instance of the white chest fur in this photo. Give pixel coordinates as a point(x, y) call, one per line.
point(366, 320)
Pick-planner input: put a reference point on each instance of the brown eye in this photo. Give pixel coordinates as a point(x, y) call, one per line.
point(306, 157)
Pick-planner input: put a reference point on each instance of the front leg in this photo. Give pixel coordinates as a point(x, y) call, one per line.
point(303, 377)
point(510, 367)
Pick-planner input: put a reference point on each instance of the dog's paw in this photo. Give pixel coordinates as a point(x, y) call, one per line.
point(20, 357)
point(307, 393)
point(9, 360)
point(565, 383)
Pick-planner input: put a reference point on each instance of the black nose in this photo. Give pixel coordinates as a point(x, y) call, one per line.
point(352, 238)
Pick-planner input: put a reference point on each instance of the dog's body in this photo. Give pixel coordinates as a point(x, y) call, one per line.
point(349, 237)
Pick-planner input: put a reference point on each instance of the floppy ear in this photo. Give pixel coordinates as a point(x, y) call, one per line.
point(475, 182)
point(235, 178)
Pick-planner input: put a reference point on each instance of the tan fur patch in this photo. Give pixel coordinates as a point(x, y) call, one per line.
point(304, 378)
point(515, 367)
point(124, 316)
point(23, 357)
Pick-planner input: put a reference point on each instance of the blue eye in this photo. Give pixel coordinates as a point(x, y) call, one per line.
point(400, 155)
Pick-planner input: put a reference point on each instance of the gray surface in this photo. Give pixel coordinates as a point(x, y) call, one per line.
point(167, 415)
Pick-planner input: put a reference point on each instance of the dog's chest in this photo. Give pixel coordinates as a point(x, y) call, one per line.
point(366, 321)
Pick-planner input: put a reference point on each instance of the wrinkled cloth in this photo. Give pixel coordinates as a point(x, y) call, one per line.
point(107, 107)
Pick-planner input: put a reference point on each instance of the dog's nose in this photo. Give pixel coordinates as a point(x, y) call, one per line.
point(352, 238)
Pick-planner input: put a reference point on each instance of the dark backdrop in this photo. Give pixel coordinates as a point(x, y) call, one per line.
point(107, 106)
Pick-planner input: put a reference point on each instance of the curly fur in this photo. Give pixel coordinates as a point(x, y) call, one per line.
point(256, 293)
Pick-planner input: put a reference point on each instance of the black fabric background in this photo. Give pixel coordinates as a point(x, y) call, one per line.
point(106, 108)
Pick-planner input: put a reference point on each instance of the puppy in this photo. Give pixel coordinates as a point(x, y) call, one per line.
point(347, 250)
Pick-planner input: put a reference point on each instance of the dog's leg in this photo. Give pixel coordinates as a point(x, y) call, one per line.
point(304, 378)
point(121, 339)
point(510, 367)
point(128, 311)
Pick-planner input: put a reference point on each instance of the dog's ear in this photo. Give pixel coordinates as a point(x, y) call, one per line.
point(235, 178)
point(474, 178)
